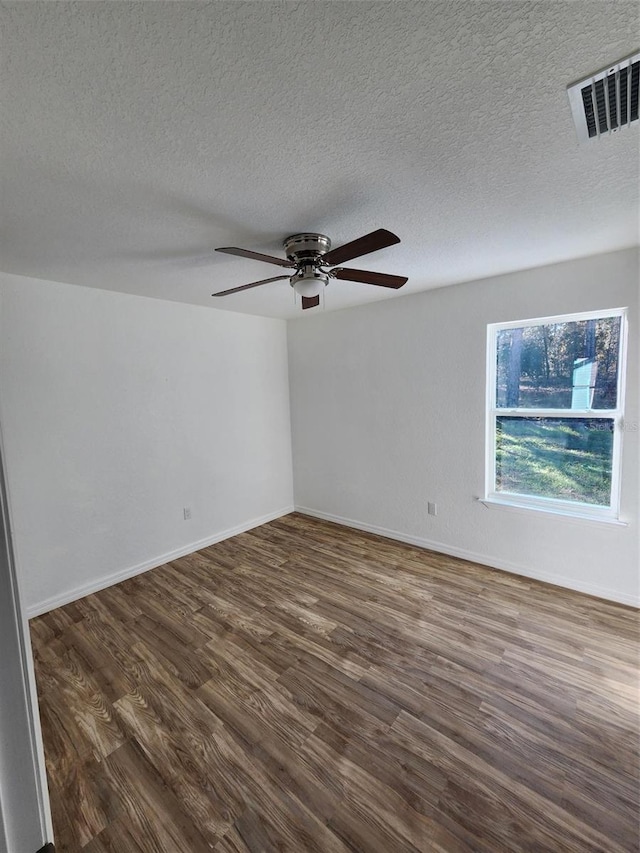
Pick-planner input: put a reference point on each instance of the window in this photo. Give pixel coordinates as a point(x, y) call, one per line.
point(554, 413)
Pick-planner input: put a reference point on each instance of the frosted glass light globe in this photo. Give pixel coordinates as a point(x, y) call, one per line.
point(310, 285)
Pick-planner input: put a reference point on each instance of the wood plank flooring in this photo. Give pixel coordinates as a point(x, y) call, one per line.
point(305, 687)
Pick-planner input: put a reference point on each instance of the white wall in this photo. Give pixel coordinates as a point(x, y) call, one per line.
point(387, 404)
point(117, 412)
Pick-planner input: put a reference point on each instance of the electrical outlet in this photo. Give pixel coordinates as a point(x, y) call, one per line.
point(432, 508)
point(187, 513)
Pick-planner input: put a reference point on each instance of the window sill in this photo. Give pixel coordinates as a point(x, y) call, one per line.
point(566, 515)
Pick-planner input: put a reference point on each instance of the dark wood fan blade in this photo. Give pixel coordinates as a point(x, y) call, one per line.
point(310, 301)
point(379, 239)
point(256, 256)
point(368, 277)
point(248, 286)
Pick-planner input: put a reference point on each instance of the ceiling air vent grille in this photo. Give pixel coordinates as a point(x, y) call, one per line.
point(608, 101)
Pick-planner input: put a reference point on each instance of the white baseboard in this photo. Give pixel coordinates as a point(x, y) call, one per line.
point(109, 580)
point(115, 577)
point(483, 559)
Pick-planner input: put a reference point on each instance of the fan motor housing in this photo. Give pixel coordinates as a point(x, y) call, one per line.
point(306, 247)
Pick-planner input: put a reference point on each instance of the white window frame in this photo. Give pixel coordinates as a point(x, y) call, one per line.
point(555, 505)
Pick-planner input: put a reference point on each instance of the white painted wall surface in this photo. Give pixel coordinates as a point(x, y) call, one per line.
point(117, 412)
point(388, 413)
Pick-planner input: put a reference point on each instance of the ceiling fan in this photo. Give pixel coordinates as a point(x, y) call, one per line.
point(309, 255)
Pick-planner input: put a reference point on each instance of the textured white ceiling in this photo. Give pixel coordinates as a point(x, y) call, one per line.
point(136, 137)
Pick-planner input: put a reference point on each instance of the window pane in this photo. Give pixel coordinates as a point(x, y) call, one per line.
point(559, 365)
point(564, 458)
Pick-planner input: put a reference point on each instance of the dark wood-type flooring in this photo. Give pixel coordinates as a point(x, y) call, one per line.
point(305, 687)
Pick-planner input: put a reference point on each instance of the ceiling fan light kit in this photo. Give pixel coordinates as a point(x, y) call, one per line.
point(311, 254)
point(306, 251)
point(309, 282)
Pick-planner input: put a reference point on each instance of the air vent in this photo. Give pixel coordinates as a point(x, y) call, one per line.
point(608, 101)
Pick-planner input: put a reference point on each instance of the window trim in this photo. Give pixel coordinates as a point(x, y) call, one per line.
point(556, 506)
